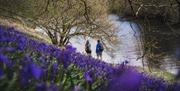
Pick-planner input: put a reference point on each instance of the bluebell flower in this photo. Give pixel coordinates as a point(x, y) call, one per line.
point(3, 39)
point(77, 88)
point(42, 60)
point(177, 87)
point(4, 59)
point(127, 81)
point(42, 47)
point(25, 75)
point(52, 87)
point(55, 67)
point(11, 29)
point(162, 87)
point(1, 29)
point(70, 48)
point(87, 76)
point(21, 43)
point(26, 59)
point(36, 71)
point(32, 44)
point(40, 87)
point(10, 49)
point(7, 49)
point(54, 70)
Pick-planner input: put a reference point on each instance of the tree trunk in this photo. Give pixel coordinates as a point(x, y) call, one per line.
point(54, 41)
point(179, 13)
point(60, 42)
point(132, 9)
point(178, 2)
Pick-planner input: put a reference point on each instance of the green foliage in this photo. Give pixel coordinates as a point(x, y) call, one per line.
point(159, 73)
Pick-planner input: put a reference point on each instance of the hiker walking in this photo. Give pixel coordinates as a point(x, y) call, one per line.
point(99, 49)
point(88, 48)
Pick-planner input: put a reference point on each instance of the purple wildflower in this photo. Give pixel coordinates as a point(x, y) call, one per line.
point(77, 88)
point(70, 48)
point(42, 60)
point(55, 67)
point(25, 75)
point(87, 76)
point(40, 87)
point(54, 70)
point(36, 71)
point(21, 43)
point(4, 59)
point(127, 81)
point(52, 87)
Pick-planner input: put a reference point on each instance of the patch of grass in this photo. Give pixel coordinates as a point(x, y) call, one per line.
point(20, 26)
point(159, 73)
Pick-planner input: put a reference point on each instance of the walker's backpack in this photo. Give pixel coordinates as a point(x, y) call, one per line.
point(101, 48)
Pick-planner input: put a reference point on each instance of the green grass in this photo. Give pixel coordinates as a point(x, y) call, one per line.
point(20, 26)
point(159, 73)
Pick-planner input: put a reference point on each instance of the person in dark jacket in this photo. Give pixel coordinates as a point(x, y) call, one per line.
point(88, 48)
point(99, 49)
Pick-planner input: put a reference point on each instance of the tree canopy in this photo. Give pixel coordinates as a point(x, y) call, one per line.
point(64, 19)
point(168, 10)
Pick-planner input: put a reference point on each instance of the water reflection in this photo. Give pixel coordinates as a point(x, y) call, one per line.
point(129, 47)
point(157, 41)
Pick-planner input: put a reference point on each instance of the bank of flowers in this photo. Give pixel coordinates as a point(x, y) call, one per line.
point(27, 64)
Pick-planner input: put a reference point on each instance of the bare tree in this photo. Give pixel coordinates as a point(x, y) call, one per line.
point(65, 19)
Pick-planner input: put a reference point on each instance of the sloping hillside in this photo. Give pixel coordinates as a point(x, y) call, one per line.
point(22, 27)
point(30, 65)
